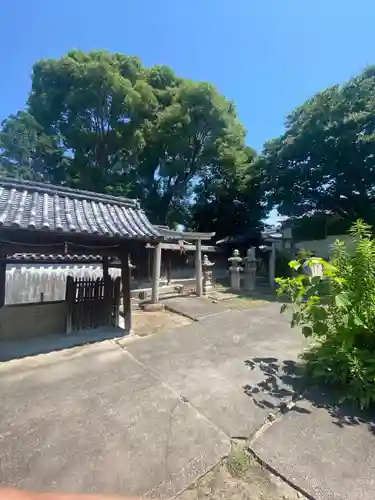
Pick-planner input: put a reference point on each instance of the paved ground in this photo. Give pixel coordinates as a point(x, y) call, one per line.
point(33, 346)
point(240, 477)
point(329, 454)
point(194, 307)
point(210, 364)
point(143, 324)
point(93, 419)
point(149, 416)
point(153, 322)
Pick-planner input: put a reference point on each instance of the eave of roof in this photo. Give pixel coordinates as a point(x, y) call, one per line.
point(55, 258)
point(37, 207)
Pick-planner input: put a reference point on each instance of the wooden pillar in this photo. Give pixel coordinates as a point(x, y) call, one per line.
point(105, 268)
point(156, 274)
point(126, 300)
point(107, 294)
point(69, 300)
point(198, 267)
point(3, 277)
point(272, 265)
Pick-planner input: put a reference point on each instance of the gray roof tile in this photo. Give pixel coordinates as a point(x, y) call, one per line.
point(45, 207)
point(29, 257)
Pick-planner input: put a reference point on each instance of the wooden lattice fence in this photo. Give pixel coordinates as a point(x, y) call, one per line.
point(92, 303)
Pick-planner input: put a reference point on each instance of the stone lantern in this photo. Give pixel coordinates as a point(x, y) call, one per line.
point(250, 269)
point(207, 274)
point(235, 270)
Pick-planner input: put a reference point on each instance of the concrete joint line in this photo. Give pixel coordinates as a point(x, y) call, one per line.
point(181, 397)
point(270, 420)
point(276, 473)
point(184, 400)
point(180, 313)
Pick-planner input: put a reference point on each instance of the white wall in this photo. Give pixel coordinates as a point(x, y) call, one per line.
point(26, 283)
point(321, 248)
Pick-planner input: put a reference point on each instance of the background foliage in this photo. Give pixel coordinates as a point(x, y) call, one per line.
point(324, 163)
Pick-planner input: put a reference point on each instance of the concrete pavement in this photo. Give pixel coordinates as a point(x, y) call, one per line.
point(195, 308)
point(328, 456)
point(93, 419)
point(149, 416)
point(208, 364)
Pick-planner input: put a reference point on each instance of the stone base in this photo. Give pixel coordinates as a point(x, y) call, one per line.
point(152, 307)
point(249, 287)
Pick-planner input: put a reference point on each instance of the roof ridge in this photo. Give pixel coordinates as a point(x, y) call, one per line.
point(47, 188)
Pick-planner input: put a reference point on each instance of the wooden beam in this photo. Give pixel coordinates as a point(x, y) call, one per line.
point(125, 279)
point(187, 247)
point(198, 267)
point(3, 277)
point(156, 274)
point(185, 235)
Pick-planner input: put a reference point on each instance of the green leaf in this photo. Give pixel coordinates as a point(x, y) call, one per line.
point(319, 312)
point(321, 328)
point(294, 264)
point(345, 319)
point(315, 280)
point(342, 300)
point(296, 318)
point(307, 331)
point(357, 320)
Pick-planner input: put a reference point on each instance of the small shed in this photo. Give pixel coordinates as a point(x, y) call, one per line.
point(38, 218)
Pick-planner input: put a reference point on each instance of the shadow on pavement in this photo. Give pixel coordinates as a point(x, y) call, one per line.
point(284, 381)
point(42, 345)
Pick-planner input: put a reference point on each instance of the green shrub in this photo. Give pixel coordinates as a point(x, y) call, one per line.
point(337, 309)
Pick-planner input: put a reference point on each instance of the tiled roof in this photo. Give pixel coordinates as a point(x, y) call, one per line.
point(45, 207)
point(37, 257)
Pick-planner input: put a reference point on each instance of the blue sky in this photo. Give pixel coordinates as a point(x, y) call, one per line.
point(268, 56)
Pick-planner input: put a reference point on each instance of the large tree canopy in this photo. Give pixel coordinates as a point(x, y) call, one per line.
point(227, 201)
point(325, 160)
point(103, 122)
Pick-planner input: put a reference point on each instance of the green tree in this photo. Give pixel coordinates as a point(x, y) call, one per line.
point(135, 131)
point(229, 200)
point(325, 161)
point(97, 107)
point(103, 122)
point(27, 152)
